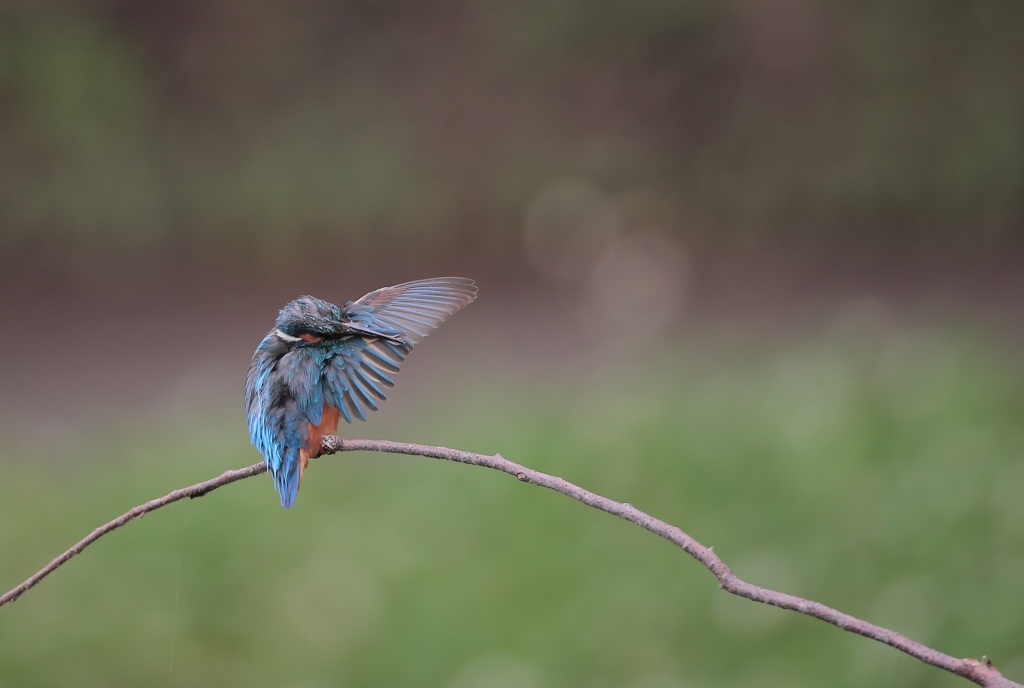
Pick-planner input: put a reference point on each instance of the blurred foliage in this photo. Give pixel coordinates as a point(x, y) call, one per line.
point(192, 127)
point(878, 472)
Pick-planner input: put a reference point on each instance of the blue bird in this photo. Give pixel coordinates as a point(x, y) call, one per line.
point(322, 363)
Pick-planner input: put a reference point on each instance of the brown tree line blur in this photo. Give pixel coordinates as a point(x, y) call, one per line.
point(192, 128)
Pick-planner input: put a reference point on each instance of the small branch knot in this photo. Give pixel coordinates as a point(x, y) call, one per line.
point(331, 444)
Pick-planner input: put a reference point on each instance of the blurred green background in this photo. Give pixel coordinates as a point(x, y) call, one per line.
point(752, 267)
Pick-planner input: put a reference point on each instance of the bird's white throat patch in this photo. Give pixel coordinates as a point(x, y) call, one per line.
point(287, 337)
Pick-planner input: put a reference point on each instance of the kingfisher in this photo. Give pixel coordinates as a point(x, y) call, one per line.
point(323, 363)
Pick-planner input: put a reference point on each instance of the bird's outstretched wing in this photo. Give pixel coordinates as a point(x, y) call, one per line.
point(360, 369)
point(415, 308)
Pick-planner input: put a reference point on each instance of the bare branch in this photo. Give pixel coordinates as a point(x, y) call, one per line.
point(980, 672)
point(192, 491)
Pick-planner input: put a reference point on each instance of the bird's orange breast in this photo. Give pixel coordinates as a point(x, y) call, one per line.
point(328, 426)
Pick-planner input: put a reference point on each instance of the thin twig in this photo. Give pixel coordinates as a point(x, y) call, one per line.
point(192, 491)
point(981, 672)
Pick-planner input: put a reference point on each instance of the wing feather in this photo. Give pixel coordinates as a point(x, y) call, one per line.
point(414, 308)
point(358, 370)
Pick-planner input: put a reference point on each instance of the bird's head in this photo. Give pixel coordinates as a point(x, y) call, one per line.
point(309, 319)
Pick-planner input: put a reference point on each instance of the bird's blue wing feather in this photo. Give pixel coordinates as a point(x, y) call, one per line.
point(358, 374)
point(414, 309)
point(360, 369)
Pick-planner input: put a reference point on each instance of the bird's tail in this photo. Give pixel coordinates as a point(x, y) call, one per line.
point(287, 478)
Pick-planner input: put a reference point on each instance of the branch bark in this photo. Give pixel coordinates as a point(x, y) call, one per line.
point(981, 672)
